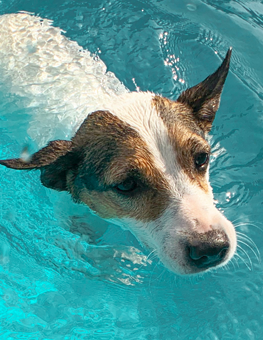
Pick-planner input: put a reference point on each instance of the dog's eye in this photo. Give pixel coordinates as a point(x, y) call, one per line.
point(201, 160)
point(127, 186)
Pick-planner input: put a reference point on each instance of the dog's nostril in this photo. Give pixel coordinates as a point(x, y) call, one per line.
point(208, 256)
point(208, 249)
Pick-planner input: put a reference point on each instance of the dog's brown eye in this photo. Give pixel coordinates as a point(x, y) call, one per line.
point(127, 186)
point(201, 160)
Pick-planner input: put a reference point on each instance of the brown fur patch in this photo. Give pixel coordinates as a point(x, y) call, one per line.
point(173, 112)
point(112, 151)
point(186, 137)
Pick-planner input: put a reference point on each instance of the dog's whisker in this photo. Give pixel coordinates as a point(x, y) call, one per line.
point(241, 220)
point(161, 274)
point(149, 258)
point(247, 224)
point(229, 265)
point(247, 256)
point(247, 241)
point(226, 267)
point(247, 238)
point(151, 277)
point(253, 251)
point(152, 255)
point(235, 260)
point(235, 220)
point(244, 261)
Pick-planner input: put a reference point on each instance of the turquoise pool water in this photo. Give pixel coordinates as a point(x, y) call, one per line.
point(49, 288)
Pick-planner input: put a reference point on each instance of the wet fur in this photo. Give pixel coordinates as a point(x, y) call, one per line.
point(153, 142)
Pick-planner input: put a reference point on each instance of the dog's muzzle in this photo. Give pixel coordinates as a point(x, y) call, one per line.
point(206, 250)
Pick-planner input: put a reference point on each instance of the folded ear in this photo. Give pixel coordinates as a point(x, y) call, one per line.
point(54, 161)
point(204, 98)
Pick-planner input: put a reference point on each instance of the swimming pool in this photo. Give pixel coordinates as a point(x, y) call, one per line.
point(49, 288)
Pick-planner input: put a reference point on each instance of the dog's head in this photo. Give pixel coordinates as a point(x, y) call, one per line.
point(142, 161)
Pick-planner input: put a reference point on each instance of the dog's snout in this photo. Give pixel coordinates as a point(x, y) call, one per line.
point(208, 249)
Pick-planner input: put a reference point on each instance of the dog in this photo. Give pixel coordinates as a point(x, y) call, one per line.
point(138, 160)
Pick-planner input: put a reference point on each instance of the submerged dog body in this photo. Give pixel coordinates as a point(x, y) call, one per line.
point(138, 160)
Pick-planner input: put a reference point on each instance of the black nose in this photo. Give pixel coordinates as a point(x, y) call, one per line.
point(208, 249)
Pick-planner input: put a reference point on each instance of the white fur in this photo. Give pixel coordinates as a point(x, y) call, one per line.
point(166, 234)
point(64, 83)
point(51, 74)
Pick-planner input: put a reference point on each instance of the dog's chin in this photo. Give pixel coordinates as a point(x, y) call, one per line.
point(186, 269)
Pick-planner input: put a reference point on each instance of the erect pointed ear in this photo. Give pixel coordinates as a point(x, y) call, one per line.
point(54, 161)
point(204, 98)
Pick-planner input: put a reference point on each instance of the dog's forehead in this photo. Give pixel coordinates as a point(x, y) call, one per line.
point(127, 119)
point(143, 131)
point(165, 125)
point(139, 111)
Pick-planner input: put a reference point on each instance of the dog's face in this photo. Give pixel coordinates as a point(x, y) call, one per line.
point(143, 162)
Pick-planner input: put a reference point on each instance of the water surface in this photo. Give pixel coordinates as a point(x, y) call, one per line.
point(49, 288)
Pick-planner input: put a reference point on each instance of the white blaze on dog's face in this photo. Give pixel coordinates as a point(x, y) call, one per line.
point(142, 161)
